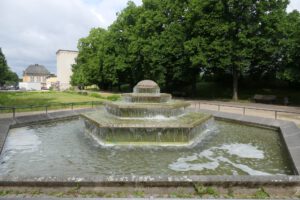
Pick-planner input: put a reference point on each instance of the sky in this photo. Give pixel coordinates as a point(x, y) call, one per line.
point(31, 31)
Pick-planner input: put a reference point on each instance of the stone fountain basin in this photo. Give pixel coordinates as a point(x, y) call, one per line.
point(168, 109)
point(175, 131)
point(146, 97)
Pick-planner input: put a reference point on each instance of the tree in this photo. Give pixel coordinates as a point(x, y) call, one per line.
point(3, 68)
point(230, 34)
point(145, 42)
point(173, 41)
point(150, 42)
point(86, 71)
point(290, 70)
point(11, 78)
point(6, 75)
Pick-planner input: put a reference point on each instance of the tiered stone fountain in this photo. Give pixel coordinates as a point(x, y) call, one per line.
point(145, 117)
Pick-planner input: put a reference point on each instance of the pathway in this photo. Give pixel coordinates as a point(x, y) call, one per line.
point(288, 113)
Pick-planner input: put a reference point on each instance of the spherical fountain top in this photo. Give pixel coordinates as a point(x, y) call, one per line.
point(146, 86)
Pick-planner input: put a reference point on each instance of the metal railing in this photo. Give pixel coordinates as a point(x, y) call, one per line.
point(197, 105)
point(14, 110)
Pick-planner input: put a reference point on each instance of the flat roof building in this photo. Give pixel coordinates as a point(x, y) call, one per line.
point(64, 61)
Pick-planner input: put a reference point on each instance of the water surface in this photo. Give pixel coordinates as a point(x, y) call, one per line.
point(63, 149)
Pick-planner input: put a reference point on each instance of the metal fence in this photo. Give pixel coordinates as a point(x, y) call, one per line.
point(13, 111)
point(243, 109)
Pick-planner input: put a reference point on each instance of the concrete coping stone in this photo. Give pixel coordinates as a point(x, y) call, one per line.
point(289, 132)
point(151, 181)
point(78, 198)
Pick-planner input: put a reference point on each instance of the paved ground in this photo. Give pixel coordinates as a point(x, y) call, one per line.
point(288, 113)
point(255, 105)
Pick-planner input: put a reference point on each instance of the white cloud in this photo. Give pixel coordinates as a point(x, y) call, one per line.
point(294, 5)
point(33, 30)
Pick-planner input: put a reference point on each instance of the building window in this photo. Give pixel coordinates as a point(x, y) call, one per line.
point(38, 79)
point(31, 78)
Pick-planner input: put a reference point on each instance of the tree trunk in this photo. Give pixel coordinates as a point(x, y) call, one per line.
point(235, 78)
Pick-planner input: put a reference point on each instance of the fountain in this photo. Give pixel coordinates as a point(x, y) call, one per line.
point(222, 149)
point(145, 117)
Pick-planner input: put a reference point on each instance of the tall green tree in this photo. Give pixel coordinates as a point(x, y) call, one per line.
point(172, 41)
point(3, 68)
point(153, 37)
point(290, 70)
point(86, 71)
point(230, 34)
point(6, 75)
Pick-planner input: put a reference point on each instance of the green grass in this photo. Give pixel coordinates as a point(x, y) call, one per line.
point(261, 194)
point(46, 98)
point(205, 191)
point(200, 191)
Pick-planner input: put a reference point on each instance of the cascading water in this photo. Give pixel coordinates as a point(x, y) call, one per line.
point(146, 117)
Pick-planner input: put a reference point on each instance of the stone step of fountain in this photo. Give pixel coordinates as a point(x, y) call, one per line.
point(146, 97)
point(176, 131)
point(150, 134)
point(125, 109)
point(105, 120)
point(145, 117)
point(179, 131)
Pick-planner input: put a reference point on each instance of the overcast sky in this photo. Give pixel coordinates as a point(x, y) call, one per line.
point(31, 31)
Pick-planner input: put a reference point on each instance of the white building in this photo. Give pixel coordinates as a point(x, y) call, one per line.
point(64, 61)
point(34, 77)
point(30, 86)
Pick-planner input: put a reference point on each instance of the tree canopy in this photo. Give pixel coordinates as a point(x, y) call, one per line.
point(173, 41)
point(290, 70)
point(6, 75)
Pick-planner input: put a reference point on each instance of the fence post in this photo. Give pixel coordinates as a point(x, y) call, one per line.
point(92, 104)
point(72, 105)
point(244, 110)
point(275, 114)
point(46, 109)
point(14, 112)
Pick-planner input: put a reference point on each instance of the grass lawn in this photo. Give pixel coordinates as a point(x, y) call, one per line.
point(49, 97)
